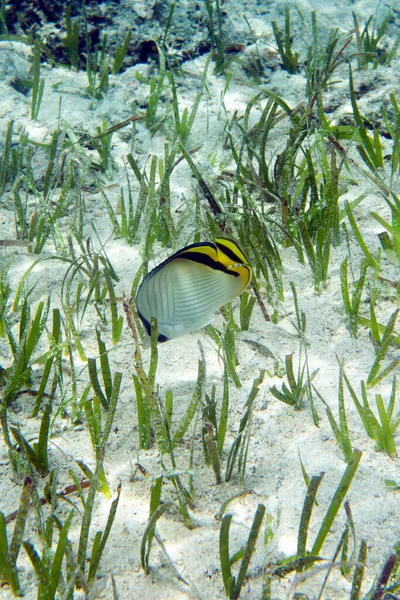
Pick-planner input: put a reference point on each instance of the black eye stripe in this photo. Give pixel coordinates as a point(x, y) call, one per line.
point(235, 258)
point(204, 259)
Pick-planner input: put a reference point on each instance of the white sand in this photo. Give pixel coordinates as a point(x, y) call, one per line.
point(279, 432)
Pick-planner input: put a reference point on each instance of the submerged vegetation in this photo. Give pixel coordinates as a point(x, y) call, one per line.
point(58, 371)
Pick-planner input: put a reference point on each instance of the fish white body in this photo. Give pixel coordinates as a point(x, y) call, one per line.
point(184, 292)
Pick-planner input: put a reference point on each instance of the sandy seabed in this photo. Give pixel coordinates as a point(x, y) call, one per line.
point(279, 433)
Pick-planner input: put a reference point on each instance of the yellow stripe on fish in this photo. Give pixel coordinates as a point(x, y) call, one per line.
point(184, 291)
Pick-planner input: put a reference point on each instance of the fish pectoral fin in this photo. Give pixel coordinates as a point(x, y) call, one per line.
point(146, 342)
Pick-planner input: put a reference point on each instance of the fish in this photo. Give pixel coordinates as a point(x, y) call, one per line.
point(184, 292)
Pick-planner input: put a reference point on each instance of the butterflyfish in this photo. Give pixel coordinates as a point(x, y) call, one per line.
point(185, 290)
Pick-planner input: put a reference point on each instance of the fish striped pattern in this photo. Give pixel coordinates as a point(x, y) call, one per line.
point(184, 291)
